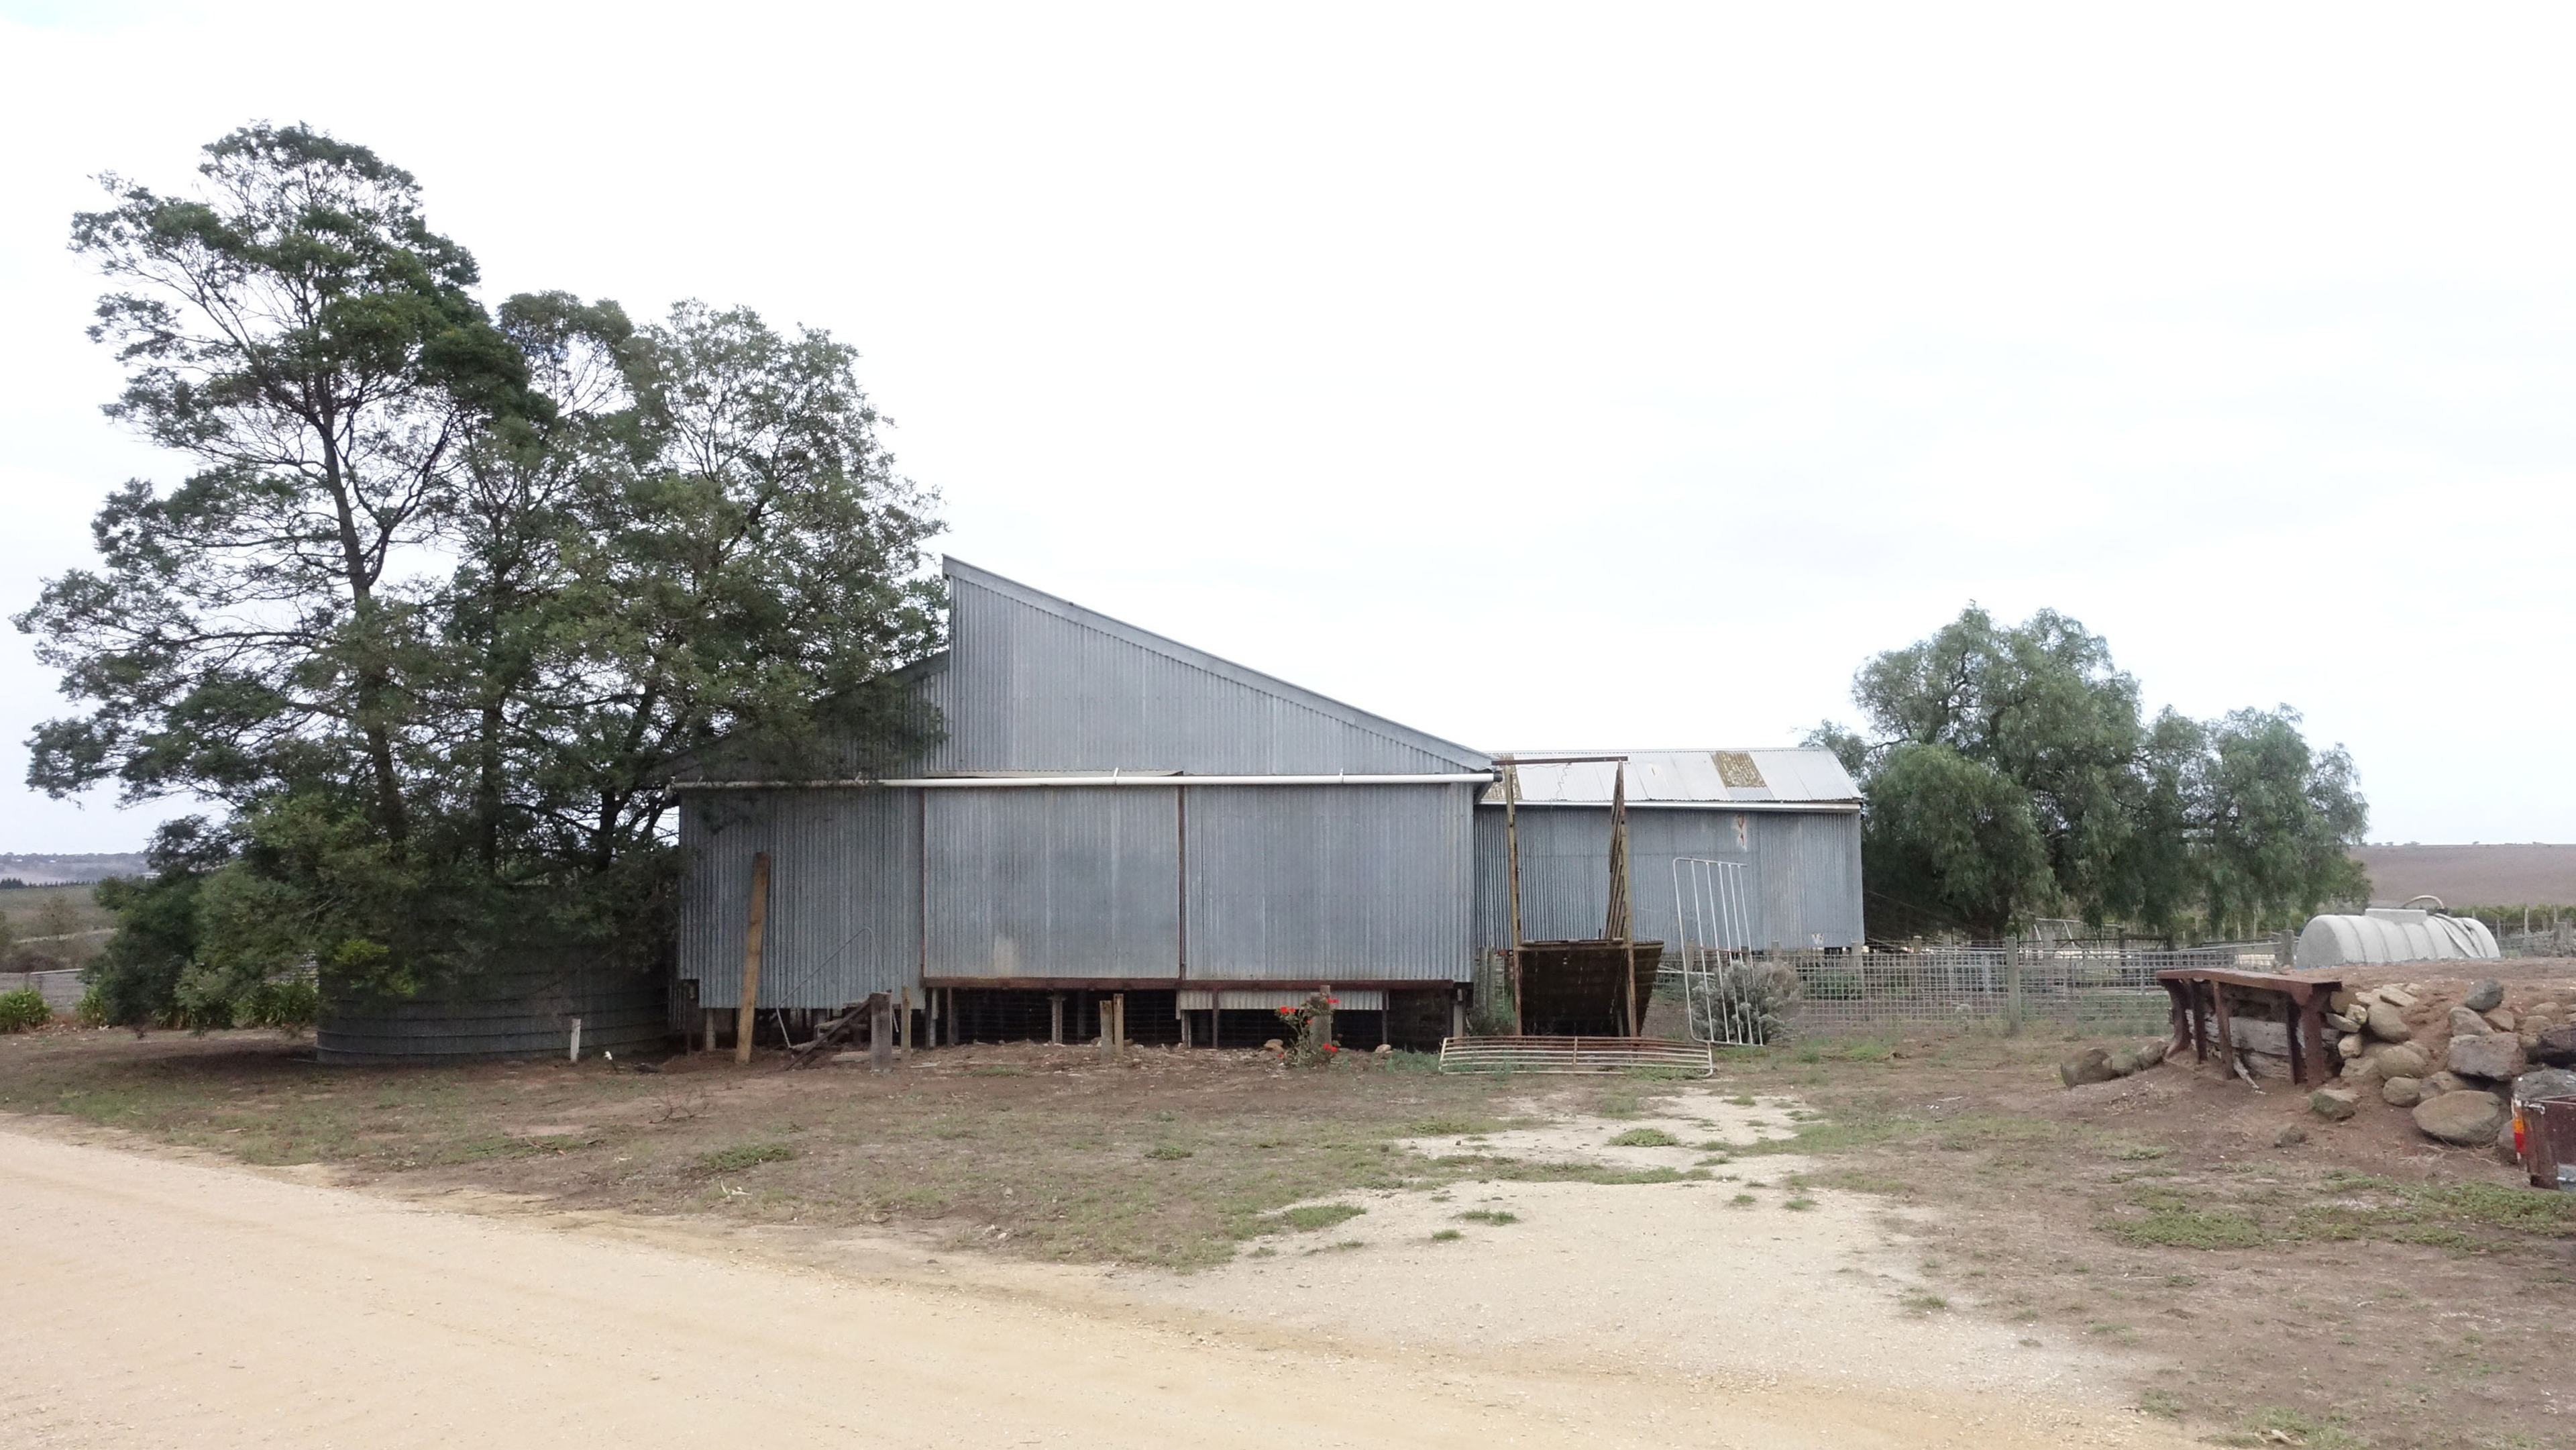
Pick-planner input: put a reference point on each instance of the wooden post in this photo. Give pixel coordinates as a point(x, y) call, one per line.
point(1622, 928)
point(710, 1015)
point(880, 1031)
point(574, 1054)
point(751, 957)
point(1512, 870)
point(1055, 1019)
point(2012, 986)
point(1119, 1015)
point(903, 1018)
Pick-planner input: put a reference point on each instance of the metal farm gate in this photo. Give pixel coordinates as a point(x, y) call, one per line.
point(1723, 992)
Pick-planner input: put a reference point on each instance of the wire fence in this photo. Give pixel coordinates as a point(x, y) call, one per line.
point(2083, 988)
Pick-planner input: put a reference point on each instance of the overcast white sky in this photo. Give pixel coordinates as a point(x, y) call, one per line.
point(1579, 375)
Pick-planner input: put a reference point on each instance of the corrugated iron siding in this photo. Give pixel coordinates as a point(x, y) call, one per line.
point(1805, 869)
point(1322, 882)
point(844, 893)
point(1356, 882)
point(1066, 883)
point(1026, 689)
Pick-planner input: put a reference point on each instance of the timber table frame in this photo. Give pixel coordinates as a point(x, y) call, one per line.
point(2196, 996)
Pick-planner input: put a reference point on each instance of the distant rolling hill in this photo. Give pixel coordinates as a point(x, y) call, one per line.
point(44, 870)
point(2530, 875)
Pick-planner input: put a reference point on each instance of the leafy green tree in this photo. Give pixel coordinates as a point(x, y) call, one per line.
point(2009, 776)
point(451, 596)
point(301, 335)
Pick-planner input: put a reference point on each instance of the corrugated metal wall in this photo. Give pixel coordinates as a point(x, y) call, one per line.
point(1331, 882)
point(1031, 688)
point(1361, 883)
point(1804, 868)
point(1065, 883)
point(844, 893)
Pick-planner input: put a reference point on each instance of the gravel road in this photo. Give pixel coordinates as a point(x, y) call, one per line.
point(148, 1300)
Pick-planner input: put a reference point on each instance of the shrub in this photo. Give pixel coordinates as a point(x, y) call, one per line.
point(22, 1009)
point(1645, 1138)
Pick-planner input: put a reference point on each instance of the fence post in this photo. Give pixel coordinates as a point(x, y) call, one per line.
point(2012, 986)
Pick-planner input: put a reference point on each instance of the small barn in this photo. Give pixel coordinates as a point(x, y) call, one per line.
point(1114, 812)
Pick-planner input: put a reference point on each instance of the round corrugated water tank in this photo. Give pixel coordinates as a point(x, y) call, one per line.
point(499, 1012)
point(2384, 936)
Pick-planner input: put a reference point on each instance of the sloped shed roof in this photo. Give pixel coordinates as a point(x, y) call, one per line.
point(1803, 778)
point(1036, 683)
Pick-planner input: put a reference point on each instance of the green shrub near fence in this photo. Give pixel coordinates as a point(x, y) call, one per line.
point(22, 1009)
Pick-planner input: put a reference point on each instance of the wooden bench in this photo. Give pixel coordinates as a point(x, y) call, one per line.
point(2197, 996)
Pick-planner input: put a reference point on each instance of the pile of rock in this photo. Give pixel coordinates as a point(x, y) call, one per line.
point(2455, 1070)
point(2102, 1064)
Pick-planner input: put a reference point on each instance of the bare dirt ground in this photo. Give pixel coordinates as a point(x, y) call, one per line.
point(1900, 1241)
point(159, 1302)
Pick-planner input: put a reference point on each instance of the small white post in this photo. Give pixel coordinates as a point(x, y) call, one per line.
point(575, 1054)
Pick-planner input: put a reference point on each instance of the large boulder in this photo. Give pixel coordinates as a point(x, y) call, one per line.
point(2486, 996)
point(2402, 1059)
point(2401, 1092)
point(2333, 1104)
point(2091, 1065)
point(2388, 1024)
point(2363, 1074)
point(2444, 1082)
point(2503, 1020)
point(2548, 1082)
point(2462, 1119)
point(2465, 1023)
point(2494, 1057)
point(2556, 1047)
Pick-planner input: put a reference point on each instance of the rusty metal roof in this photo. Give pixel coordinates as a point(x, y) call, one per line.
point(1799, 776)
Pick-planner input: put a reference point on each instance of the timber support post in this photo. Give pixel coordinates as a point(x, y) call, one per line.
point(759, 920)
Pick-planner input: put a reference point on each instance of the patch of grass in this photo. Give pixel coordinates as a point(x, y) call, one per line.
point(1741, 1100)
point(996, 1070)
point(1168, 1153)
point(2138, 1152)
point(1922, 1302)
point(1645, 1138)
point(1799, 1204)
point(1741, 1200)
point(745, 1155)
point(2164, 1404)
point(1452, 1127)
point(2192, 1228)
point(1307, 1217)
point(1618, 1105)
point(1445, 1235)
point(1495, 1216)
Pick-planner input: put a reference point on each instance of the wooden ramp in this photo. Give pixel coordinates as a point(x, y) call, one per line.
point(1574, 1054)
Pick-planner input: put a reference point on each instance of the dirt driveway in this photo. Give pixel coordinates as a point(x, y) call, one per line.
point(153, 1301)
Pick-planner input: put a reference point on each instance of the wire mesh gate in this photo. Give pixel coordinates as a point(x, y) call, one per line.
point(1722, 991)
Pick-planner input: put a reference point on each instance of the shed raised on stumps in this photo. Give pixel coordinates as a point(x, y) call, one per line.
point(1112, 811)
